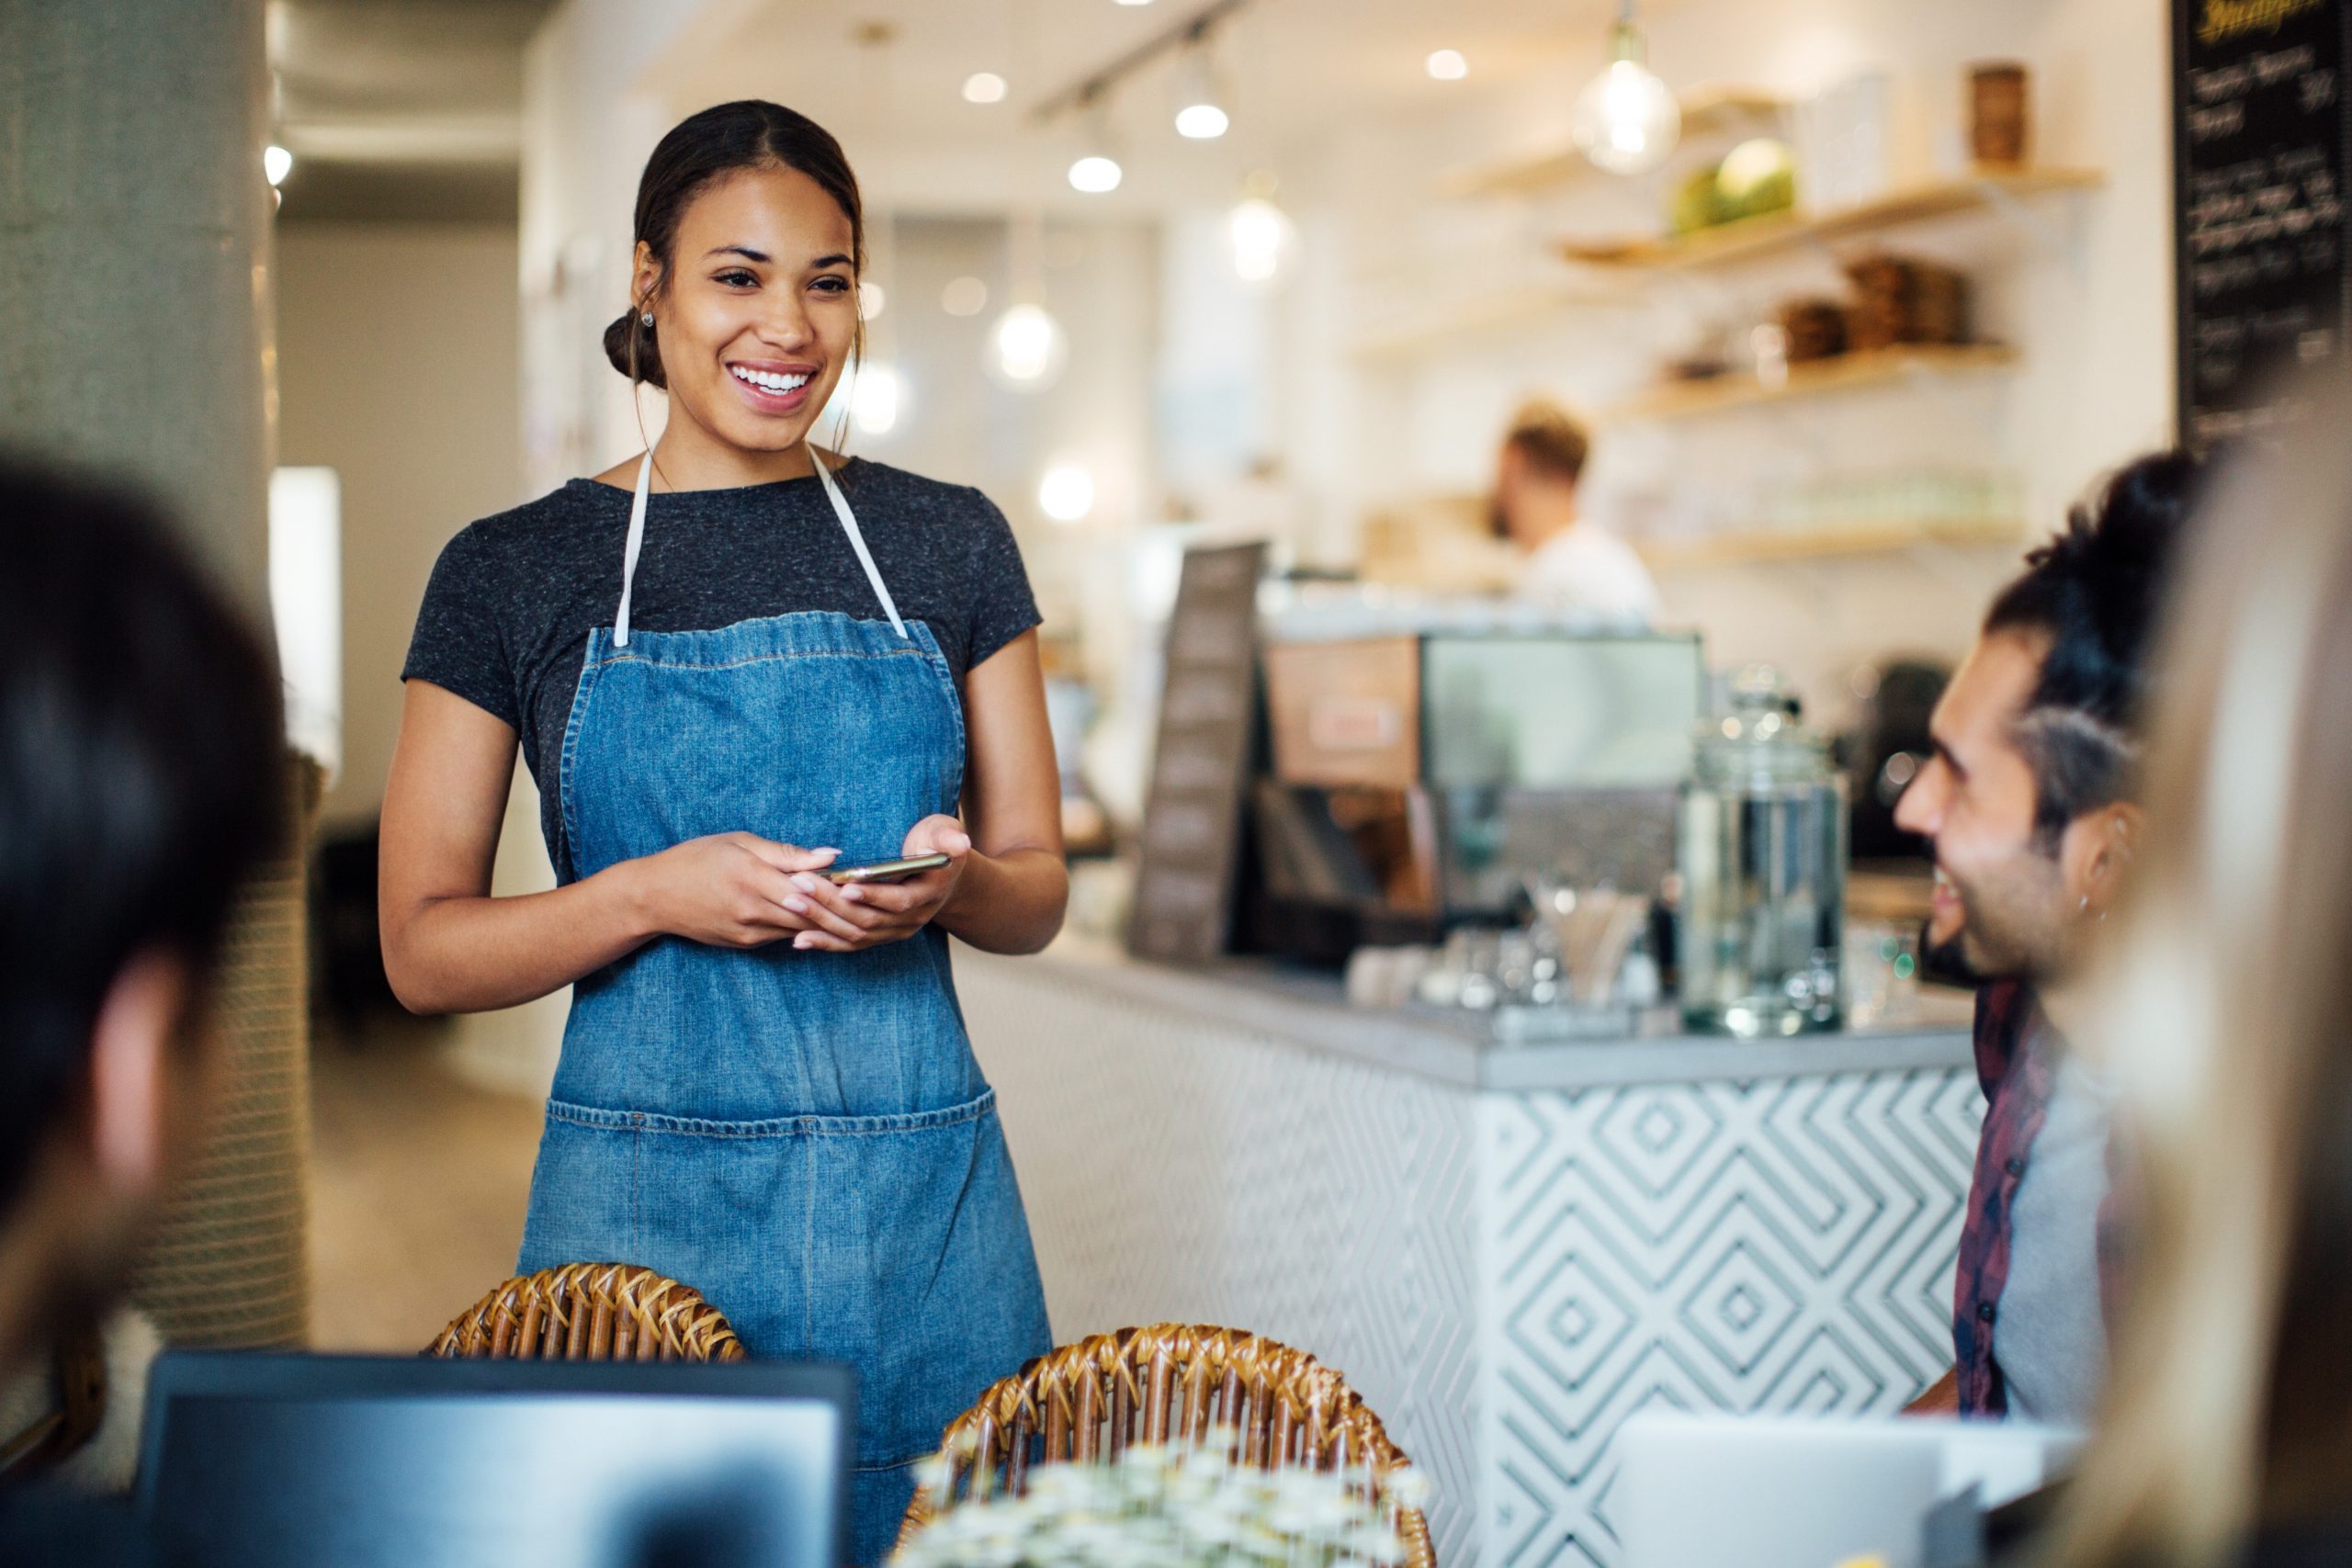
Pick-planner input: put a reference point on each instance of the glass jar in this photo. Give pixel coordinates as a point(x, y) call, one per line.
point(1763, 859)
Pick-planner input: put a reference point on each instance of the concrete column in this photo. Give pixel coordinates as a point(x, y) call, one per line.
point(134, 256)
point(136, 340)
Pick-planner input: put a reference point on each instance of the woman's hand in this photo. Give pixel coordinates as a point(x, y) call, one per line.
point(867, 914)
point(731, 889)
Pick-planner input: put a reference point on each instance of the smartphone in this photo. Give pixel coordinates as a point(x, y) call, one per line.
point(886, 870)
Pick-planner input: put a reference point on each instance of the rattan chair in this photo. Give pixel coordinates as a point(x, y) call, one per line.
point(1085, 1403)
point(591, 1312)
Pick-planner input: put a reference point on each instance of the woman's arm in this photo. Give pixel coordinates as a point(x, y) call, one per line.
point(1016, 886)
point(450, 947)
point(1006, 887)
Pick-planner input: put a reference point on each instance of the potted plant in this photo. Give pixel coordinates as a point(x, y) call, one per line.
point(1178, 1507)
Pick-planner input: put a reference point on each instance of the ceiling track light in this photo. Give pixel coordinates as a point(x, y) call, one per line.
point(1200, 106)
point(1091, 89)
point(1096, 170)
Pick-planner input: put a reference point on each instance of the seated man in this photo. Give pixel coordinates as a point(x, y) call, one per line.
point(2030, 802)
point(141, 748)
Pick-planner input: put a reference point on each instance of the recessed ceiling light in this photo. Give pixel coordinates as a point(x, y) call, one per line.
point(1201, 122)
point(1095, 173)
point(984, 87)
point(1447, 65)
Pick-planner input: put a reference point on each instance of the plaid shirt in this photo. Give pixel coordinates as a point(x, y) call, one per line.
point(2017, 1064)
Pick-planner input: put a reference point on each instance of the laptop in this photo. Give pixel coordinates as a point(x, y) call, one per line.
point(1699, 1491)
point(266, 1461)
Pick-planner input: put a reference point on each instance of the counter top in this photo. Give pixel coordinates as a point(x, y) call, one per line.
point(1310, 1011)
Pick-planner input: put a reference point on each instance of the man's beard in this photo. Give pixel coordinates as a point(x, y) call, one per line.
point(1997, 939)
point(1948, 960)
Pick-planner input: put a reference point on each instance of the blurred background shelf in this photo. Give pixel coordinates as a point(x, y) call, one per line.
point(1780, 232)
point(1501, 309)
point(1748, 545)
point(1706, 111)
point(1810, 378)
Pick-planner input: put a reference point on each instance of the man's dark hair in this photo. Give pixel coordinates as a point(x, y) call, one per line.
point(2096, 591)
point(141, 765)
point(1549, 437)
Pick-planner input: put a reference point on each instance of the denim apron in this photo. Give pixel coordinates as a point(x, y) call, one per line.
point(804, 1137)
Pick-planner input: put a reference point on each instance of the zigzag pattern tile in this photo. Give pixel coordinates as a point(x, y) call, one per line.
point(1785, 1245)
point(1178, 1173)
point(1535, 1268)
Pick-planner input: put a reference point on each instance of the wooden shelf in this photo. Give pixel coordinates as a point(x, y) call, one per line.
point(1816, 378)
point(1778, 232)
point(1746, 547)
point(1706, 112)
point(1489, 312)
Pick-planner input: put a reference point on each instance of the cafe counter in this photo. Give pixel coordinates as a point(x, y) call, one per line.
point(1507, 1249)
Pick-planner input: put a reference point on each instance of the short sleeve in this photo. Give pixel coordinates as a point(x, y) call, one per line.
point(1003, 605)
point(461, 643)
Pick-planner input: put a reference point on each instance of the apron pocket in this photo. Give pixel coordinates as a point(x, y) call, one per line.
point(585, 1189)
point(895, 1243)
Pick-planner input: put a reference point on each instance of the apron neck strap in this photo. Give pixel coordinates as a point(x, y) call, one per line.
point(833, 493)
point(636, 543)
point(857, 542)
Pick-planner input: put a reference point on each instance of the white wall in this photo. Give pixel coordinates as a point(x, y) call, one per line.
point(397, 367)
point(2088, 305)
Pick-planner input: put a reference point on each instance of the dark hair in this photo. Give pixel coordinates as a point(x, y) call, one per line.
point(1549, 437)
point(2096, 591)
point(141, 764)
point(750, 133)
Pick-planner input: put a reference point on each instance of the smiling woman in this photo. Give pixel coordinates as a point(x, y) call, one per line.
point(750, 240)
point(727, 681)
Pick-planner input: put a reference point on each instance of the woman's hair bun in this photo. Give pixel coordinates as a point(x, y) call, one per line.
point(617, 340)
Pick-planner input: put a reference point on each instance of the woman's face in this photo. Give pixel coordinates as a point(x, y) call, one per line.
point(761, 310)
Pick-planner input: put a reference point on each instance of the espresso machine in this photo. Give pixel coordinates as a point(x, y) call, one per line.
point(1421, 768)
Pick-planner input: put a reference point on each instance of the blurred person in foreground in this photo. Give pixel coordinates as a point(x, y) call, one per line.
point(2223, 1014)
point(1572, 561)
point(2031, 800)
point(140, 785)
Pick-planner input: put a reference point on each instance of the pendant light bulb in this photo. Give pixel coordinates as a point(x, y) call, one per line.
point(1259, 234)
point(1027, 348)
point(878, 398)
point(1626, 119)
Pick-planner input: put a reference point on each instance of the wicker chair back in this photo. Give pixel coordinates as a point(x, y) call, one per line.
point(1086, 1402)
point(591, 1312)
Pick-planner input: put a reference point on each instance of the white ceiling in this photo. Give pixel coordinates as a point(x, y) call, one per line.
point(1295, 70)
point(399, 108)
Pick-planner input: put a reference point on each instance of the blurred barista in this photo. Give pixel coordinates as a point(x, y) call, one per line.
point(1573, 563)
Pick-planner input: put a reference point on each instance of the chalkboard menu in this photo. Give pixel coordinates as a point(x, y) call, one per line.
point(1207, 714)
point(2259, 161)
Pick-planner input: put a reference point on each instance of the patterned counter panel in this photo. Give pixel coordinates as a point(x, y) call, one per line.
point(1504, 1277)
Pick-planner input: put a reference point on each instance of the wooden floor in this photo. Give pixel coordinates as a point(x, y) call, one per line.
point(418, 1181)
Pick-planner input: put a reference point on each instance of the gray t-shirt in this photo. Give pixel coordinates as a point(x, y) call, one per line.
point(2052, 1337)
point(506, 615)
